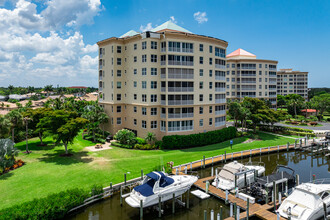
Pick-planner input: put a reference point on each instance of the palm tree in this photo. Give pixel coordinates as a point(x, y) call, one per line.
point(151, 137)
point(295, 101)
point(5, 126)
point(16, 120)
point(11, 88)
point(48, 88)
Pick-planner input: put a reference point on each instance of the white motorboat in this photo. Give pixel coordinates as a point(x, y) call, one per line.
point(306, 202)
point(159, 184)
point(235, 171)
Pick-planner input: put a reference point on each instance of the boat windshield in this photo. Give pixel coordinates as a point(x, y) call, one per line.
point(304, 198)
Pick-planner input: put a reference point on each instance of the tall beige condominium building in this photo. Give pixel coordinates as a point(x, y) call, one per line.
point(247, 76)
point(292, 82)
point(166, 81)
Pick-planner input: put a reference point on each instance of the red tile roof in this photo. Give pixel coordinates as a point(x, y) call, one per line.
point(309, 110)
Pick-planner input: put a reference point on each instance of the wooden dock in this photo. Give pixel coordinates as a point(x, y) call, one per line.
point(181, 169)
point(261, 211)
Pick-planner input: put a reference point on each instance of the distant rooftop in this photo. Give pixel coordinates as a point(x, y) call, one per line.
point(240, 53)
point(129, 34)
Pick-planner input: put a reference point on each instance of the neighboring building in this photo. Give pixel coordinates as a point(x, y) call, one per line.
point(166, 81)
point(309, 112)
point(248, 76)
point(292, 82)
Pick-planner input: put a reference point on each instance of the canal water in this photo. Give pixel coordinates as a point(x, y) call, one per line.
point(303, 163)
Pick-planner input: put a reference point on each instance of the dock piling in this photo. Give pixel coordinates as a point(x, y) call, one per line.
point(141, 209)
point(235, 211)
point(267, 195)
point(204, 162)
point(325, 210)
point(220, 213)
point(212, 171)
point(212, 214)
point(188, 198)
point(247, 208)
point(218, 216)
point(173, 204)
point(297, 180)
point(231, 210)
point(205, 215)
point(159, 206)
point(314, 177)
point(207, 186)
point(125, 179)
point(274, 194)
point(190, 166)
point(226, 197)
point(279, 198)
point(287, 146)
point(121, 196)
point(225, 157)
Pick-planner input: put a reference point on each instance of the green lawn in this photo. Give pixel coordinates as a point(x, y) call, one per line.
point(47, 172)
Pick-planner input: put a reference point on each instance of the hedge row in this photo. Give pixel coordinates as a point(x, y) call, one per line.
point(196, 140)
point(54, 206)
point(275, 128)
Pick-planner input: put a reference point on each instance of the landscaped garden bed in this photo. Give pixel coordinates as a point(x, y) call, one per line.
point(17, 164)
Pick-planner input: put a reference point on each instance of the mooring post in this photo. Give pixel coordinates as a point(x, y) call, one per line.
point(204, 162)
point(277, 215)
point(212, 161)
point(173, 204)
point(279, 198)
point(231, 210)
point(110, 186)
point(232, 156)
point(287, 146)
point(241, 155)
point(260, 151)
point(255, 175)
point(185, 170)
point(201, 162)
point(225, 157)
point(226, 201)
point(325, 210)
point(121, 196)
point(286, 188)
point(314, 177)
point(141, 209)
point(295, 145)
point(267, 195)
point(205, 215)
point(274, 194)
point(235, 181)
point(218, 216)
point(125, 179)
point(235, 211)
point(297, 180)
point(176, 171)
point(245, 182)
point(247, 208)
point(159, 207)
point(238, 212)
point(188, 198)
point(212, 214)
point(268, 149)
point(250, 153)
point(212, 171)
point(207, 186)
point(220, 213)
point(190, 166)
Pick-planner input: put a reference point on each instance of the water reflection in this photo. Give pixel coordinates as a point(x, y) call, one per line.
point(303, 163)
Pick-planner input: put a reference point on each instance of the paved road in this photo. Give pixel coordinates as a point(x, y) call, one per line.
point(325, 127)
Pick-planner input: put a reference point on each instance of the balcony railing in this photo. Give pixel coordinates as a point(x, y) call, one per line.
point(222, 78)
point(221, 123)
point(162, 115)
point(163, 89)
point(221, 112)
point(180, 63)
point(272, 96)
point(219, 89)
point(180, 76)
point(272, 89)
point(246, 82)
point(219, 66)
point(180, 102)
point(163, 49)
point(272, 82)
point(181, 115)
point(248, 89)
point(163, 62)
point(100, 66)
point(182, 128)
point(180, 89)
point(272, 68)
point(101, 55)
point(100, 89)
point(163, 102)
point(220, 101)
point(100, 77)
point(254, 75)
point(183, 50)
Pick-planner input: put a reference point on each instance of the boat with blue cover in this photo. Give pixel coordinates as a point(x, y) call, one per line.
point(158, 184)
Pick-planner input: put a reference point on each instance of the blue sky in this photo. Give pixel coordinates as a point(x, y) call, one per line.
point(53, 42)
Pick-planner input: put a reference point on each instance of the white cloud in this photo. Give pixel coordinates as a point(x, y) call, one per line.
point(148, 27)
point(173, 19)
point(45, 46)
point(200, 17)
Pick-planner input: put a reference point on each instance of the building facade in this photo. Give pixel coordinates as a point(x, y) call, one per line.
point(166, 81)
point(292, 82)
point(247, 76)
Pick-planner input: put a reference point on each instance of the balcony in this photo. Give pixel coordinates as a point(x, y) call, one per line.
point(162, 115)
point(272, 68)
point(182, 50)
point(220, 101)
point(163, 102)
point(100, 89)
point(219, 66)
point(247, 89)
point(220, 89)
point(180, 102)
point(181, 115)
point(222, 78)
point(163, 62)
point(100, 77)
point(273, 102)
point(163, 76)
point(180, 76)
point(182, 128)
point(273, 96)
point(180, 89)
point(221, 112)
point(272, 89)
point(180, 63)
point(221, 123)
point(163, 49)
point(272, 82)
point(246, 82)
point(248, 75)
point(100, 66)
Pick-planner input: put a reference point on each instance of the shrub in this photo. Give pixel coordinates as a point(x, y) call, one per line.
point(96, 190)
point(145, 146)
point(54, 206)
point(117, 144)
point(141, 140)
point(159, 144)
point(303, 123)
point(313, 123)
point(196, 140)
point(7, 154)
point(125, 136)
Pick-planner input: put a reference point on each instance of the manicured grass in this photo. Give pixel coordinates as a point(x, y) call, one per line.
point(47, 172)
